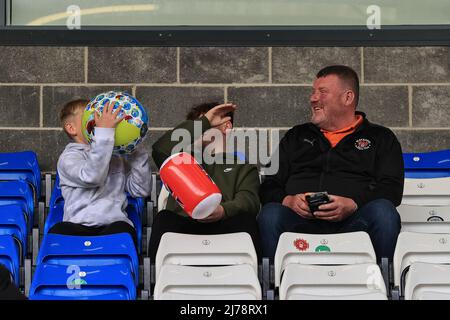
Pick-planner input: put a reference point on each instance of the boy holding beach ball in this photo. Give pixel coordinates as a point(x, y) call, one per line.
point(104, 160)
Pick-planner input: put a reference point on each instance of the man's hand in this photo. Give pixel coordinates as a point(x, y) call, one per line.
point(108, 118)
point(298, 204)
point(217, 215)
point(338, 209)
point(217, 115)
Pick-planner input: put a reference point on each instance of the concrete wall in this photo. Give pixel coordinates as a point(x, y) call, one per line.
point(406, 89)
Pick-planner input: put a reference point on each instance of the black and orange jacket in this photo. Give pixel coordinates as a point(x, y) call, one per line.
point(365, 165)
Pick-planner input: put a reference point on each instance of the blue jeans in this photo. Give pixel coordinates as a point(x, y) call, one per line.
point(379, 218)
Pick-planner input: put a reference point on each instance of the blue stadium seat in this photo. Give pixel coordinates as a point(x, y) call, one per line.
point(55, 215)
point(56, 195)
point(137, 204)
point(140, 202)
point(21, 166)
point(19, 193)
point(135, 211)
point(136, 218)
point(13, 223)
point(114, 249)
point(9, 256)
point(434, 164)
point(57, 282)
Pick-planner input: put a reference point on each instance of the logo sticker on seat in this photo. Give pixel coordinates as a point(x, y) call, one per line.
point(323, 248)
point(301, 244)
point(435, 219)
point(79, 282)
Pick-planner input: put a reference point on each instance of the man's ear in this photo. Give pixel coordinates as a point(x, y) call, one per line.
point(349, 97)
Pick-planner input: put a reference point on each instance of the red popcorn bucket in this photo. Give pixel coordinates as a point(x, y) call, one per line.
point(190, 185)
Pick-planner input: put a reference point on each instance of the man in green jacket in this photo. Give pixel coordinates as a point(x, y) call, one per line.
point(238, 181)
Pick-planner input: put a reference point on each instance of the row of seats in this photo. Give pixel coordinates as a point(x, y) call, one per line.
point(20, 189)
point(225, 266)
point(422, 254)
point(336, 266)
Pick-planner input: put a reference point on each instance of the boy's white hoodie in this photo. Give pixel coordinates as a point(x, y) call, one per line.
point(93, 181)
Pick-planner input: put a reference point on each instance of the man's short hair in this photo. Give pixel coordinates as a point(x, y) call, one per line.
point(70, 109)
point(199, 110)
point(344, 73)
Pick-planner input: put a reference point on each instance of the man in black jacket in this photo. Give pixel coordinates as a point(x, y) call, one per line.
point(358, 163)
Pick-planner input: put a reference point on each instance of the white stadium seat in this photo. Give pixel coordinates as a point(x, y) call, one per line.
point(327, 266)
point(425, 219)
point(415, 247)
point(427, 192)
point(426, 205)
point(206, 250)
point(426, 281)
point(223, 266)
point(238, 282)
point(344, 282)
point(322, 249)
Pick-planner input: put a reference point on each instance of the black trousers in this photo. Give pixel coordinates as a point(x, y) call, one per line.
point(8, 291)
point(74, 229)
point(168, 221)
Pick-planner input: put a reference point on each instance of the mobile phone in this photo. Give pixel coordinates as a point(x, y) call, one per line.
point(316, 199)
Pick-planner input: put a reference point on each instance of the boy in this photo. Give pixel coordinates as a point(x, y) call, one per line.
point(93, 181)
point(239, 183)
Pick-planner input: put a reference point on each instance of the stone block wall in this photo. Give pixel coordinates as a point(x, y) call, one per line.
point(404, 88)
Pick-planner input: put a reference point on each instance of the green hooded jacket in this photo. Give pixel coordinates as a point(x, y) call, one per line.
point(239, 182)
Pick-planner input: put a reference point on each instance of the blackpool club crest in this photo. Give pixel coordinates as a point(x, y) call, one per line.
point(362, 144)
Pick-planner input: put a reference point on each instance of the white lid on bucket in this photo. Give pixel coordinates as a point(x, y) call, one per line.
point(207, 206)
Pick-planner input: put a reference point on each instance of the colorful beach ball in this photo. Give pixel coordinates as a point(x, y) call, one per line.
point(130, 131)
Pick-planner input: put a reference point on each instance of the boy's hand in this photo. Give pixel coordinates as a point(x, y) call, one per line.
point(216, 115)
point(108, 119)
